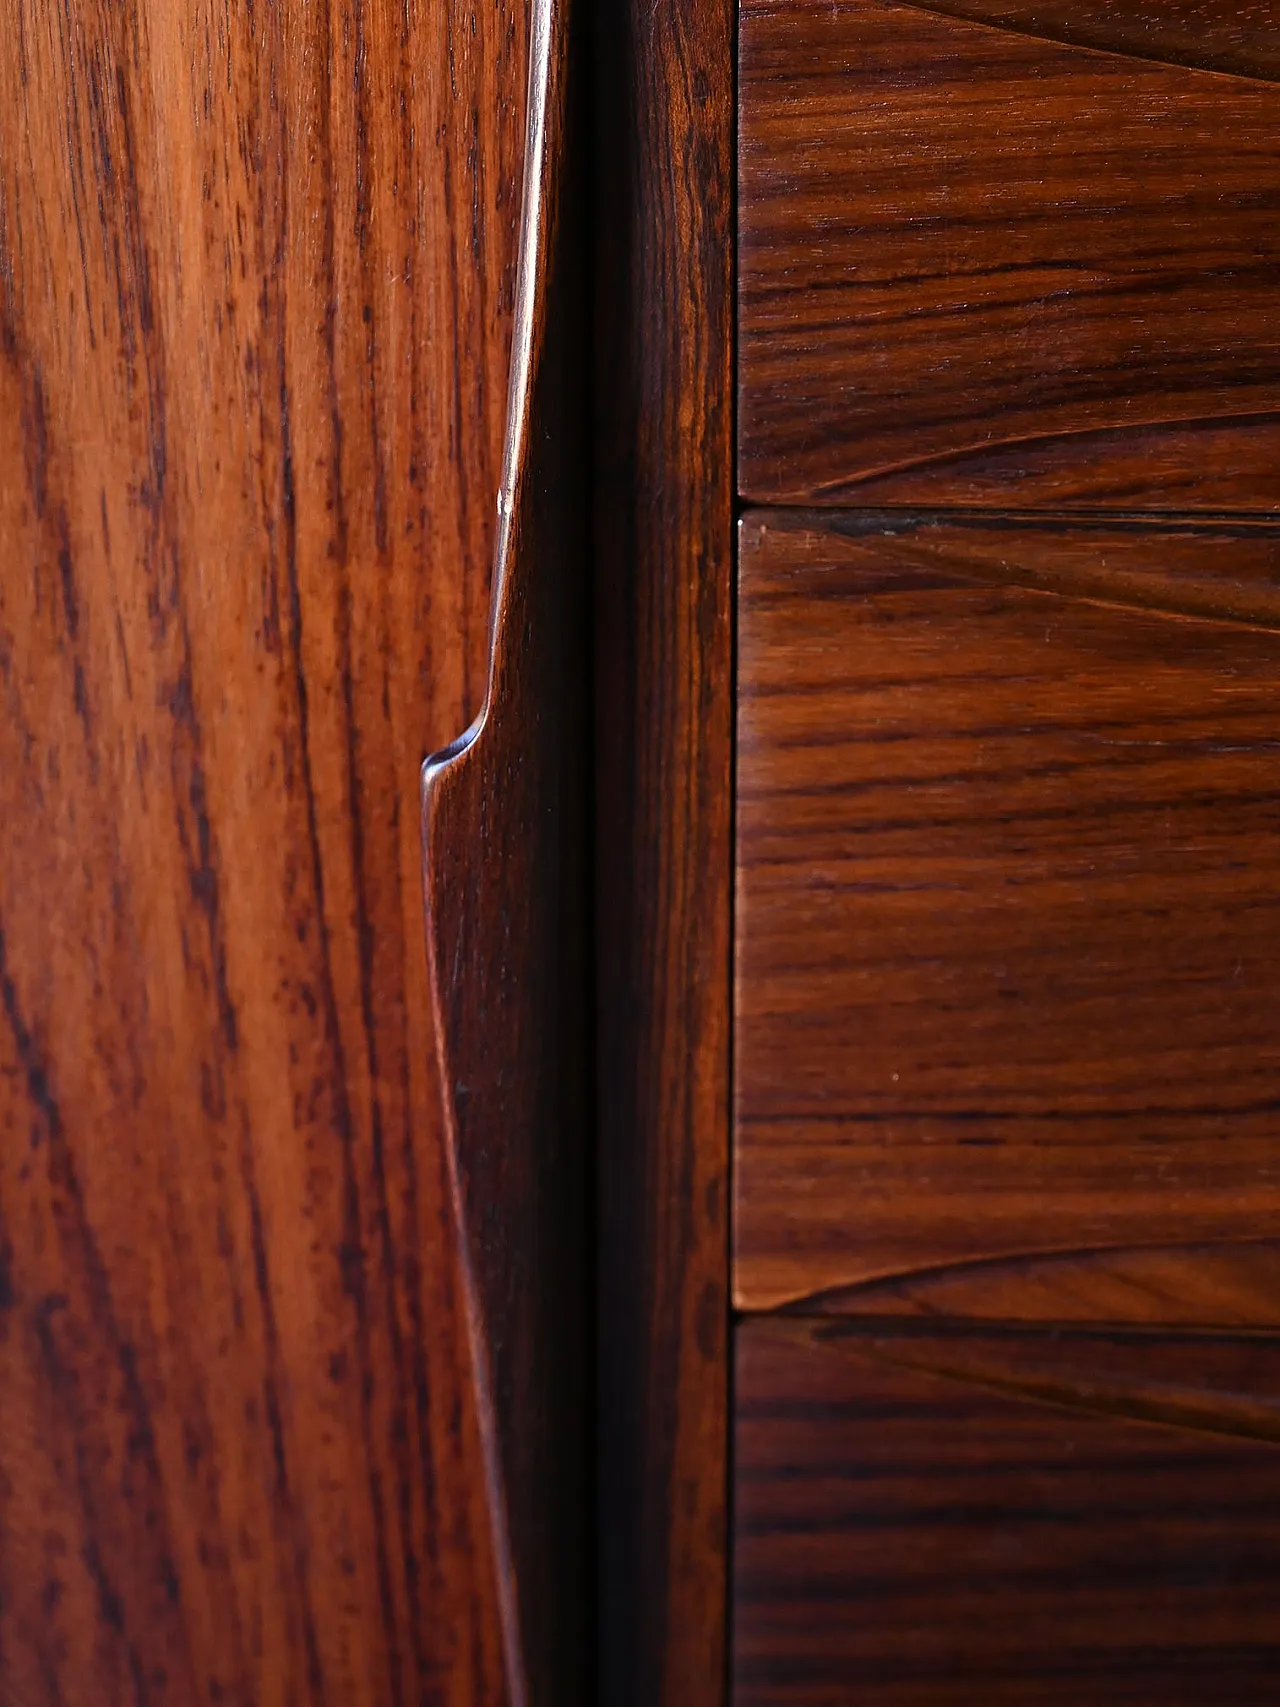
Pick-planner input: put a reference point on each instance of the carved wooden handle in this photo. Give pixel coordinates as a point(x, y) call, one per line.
point(503, 868)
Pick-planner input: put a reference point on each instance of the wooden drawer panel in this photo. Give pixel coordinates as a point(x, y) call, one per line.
point(960, 1520)
point(1008, 915)
point(1010, 246)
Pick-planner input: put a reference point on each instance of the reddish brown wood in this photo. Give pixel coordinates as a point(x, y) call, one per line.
point(980, 264)
point(256, 279)
point(664, 716)
point(1229, 568)
point(953, 1517)
point(507, 902)
point(1216, 35)
point(1176, 1285)
point(1007, 918)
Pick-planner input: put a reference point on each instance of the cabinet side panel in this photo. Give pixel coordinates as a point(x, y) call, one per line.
point(663, 470)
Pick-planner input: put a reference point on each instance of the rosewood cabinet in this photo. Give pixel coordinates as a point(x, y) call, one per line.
point(1003, 1149)
point(640, 878)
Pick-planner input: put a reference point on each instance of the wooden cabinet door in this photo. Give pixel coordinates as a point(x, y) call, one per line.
point(258, 283)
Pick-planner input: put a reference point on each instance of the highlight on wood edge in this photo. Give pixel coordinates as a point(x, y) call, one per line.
point(493, 878)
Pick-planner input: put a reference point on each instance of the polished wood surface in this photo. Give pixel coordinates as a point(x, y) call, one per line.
point(505, 871)
point(1215, 35)
point(256, 291)
point(1225, 568)
point(1005, 1075)
point(952, 1517)
point(1009, 251)
point(662, 504)
point(1007, 921)
point(1232, 1285)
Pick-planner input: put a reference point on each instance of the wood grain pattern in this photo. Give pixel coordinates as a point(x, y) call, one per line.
point(980, 264)
point(256, 290)
point(1189, 1286)
point(663, 473)
point(1224, 568)
point(505, 867)
point(1215, 35)
point(1007, 918)
point(954, 1517)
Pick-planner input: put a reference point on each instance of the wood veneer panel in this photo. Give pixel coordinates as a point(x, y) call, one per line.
point(663, 508)
point(1215, 35)
point(959, 1517)
point(1007, 925)
point(1010, 256)
point(1177, 1285)
point(256, 290)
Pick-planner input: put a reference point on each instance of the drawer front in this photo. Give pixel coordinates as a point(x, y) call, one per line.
point(963, 1519)
point(1008, 918)
point(1006, 247)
